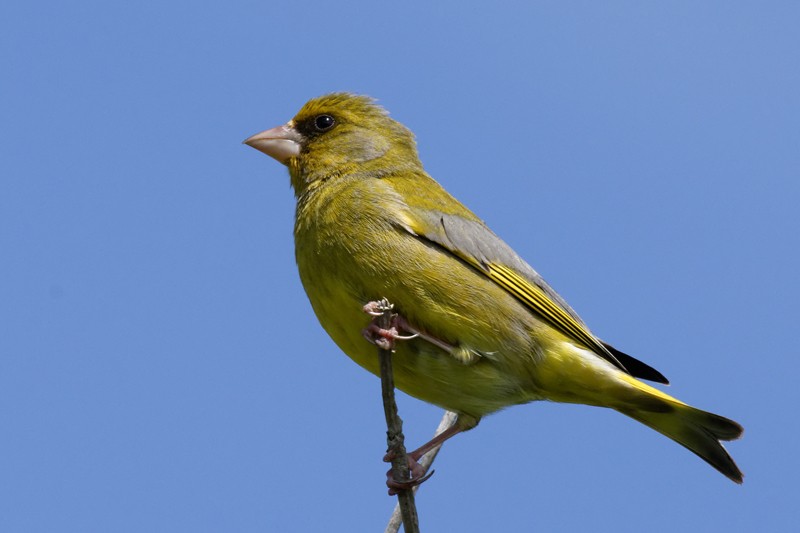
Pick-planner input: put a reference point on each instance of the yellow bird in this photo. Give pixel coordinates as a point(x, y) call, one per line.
point(490, 332)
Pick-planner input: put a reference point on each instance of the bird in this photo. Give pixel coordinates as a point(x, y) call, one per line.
point(476, 329)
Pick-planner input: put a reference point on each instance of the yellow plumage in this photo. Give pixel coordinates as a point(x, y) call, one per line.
point(371, 224)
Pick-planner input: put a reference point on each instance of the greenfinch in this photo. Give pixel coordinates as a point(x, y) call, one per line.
point(482, 330)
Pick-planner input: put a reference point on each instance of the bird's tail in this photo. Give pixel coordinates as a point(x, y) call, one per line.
point(575, 375)
point(699, 431)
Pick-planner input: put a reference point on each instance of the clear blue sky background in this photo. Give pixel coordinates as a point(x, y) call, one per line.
point(161, 368)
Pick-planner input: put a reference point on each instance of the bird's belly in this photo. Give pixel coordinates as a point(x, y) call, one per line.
point(481, 317)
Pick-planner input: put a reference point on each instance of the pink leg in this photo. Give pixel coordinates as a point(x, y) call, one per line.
point(380, 337)
point(384, 338)
point(418, 474)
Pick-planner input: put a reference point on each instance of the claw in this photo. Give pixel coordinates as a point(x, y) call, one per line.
point(381, 337)
point(417, 476)
point(376, 308)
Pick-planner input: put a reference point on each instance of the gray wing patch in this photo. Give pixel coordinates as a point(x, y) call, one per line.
point(473, 239)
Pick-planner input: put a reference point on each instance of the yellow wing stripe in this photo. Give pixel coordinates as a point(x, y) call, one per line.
point(540, 303)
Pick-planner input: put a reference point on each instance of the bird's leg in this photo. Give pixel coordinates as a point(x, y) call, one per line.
point(384, 338)
point(418, 473)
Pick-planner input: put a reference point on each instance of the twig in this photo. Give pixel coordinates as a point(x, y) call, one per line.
point(448, 419)
point(394, 429)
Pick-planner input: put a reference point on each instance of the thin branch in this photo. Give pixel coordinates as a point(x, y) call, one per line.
point(448, 419)
point(394, 429)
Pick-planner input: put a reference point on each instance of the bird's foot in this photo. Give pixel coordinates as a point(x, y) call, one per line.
point(417, 474)
point(384, 338)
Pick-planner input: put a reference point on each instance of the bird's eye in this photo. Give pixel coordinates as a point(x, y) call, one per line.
point(324, 122)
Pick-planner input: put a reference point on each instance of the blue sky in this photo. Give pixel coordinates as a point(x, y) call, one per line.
point(162, 370)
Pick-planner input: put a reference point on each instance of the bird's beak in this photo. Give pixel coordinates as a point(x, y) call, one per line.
point(281, 143)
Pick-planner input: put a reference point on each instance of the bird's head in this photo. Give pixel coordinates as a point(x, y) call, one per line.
point(338, 134)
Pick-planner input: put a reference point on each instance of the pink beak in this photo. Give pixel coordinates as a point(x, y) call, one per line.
point(281, 143)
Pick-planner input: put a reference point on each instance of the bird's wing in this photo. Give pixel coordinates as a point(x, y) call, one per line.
point(473, 242)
